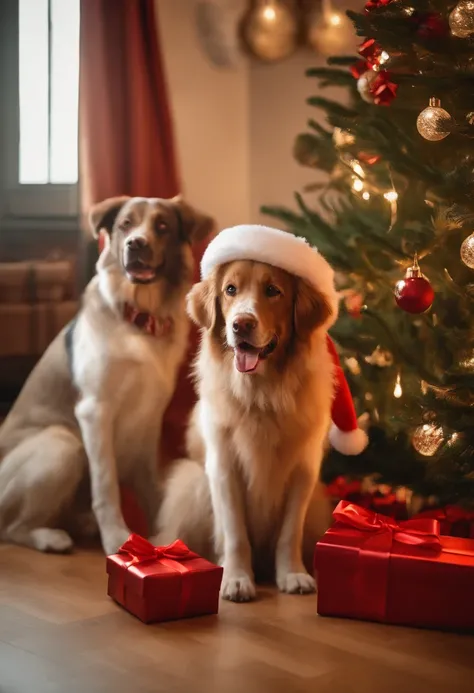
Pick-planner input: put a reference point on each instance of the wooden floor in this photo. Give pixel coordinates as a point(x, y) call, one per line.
point(59, 633)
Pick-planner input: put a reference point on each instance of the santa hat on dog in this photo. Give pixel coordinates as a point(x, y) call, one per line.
point(296, 256)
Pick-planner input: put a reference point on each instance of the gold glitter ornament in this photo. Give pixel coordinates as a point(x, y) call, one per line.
point(434, 123)
point(461, 19)
point(467, 251)
point(427, 439)
point(270, 30)
point(329, 32)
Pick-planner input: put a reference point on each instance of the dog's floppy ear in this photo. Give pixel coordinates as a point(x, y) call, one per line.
point(311, 310)
point(196, 224)
point(202, 304)
point(103, 214)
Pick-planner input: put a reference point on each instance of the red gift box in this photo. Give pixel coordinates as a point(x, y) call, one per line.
point(453, 520)
point(373, 568)
point(163, 583)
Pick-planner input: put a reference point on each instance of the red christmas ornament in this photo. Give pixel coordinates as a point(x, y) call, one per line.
point(414, 294)
point(376, 4)
point(358, 68)
point(382, 89)
point(370, 51)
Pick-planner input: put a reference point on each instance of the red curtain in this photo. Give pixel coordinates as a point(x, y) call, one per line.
point(127, 146)
point(126, 134)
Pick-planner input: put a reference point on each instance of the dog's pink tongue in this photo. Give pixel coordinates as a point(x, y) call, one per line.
point(245, 361)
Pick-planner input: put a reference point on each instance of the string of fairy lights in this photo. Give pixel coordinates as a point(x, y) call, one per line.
point(272, 30)
point(376, 86)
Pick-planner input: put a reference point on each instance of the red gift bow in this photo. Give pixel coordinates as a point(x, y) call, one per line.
point(142, 550)
point(371, 578)
point(172, 556)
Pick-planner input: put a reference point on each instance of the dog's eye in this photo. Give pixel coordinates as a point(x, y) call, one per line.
point(230, 290)
point(161, 226)
point(125, 224)
point(271, 290)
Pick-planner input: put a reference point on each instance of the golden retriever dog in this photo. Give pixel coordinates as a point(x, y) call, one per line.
point(265, 380)
point(90, 414)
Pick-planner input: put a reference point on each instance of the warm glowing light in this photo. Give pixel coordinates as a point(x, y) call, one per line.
point(391, 196)
point(366, 195)
point(357, 168)
point(335, 19)
point(357, 185)
point(397, 392)
point(384, 56)
point(269, 13)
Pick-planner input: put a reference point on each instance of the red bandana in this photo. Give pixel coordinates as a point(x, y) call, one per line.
point(156, 327)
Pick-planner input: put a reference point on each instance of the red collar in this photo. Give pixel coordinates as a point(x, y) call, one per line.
point(156, 327)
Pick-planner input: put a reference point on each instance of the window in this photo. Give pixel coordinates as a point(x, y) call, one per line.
point(39, 127)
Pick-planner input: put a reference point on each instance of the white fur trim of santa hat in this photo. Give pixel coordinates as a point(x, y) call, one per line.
point(274, 247)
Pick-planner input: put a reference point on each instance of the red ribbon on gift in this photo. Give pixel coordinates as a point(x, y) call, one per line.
point(371, 581)
point(174, 556)
point(142, 550)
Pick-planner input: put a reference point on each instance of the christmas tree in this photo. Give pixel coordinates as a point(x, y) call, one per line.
point(395, 218)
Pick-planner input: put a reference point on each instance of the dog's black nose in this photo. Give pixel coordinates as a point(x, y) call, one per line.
point(137, 243)
point(244, 324)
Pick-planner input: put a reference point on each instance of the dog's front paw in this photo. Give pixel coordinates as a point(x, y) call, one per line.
point(51, 540)
point(112, 540)
point(296, 583)
point(238, 587)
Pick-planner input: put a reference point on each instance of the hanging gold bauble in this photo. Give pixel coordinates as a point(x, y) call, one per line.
point(467, 251)
point(342, 138)
point(270, 30)
point(427, 439)
point(364, 84)
point(461, 19)
point(329, 32)
point(434, 123)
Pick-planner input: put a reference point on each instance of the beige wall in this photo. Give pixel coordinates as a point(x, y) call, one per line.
point(235, 127)
point(211, 111)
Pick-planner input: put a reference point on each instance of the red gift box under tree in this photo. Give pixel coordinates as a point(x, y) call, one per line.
point(163, 583)
point(371, 567)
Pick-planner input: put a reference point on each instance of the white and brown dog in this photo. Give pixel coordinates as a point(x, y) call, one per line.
point(90, 414)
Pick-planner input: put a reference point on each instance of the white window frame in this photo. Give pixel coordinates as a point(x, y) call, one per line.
point(46, 206)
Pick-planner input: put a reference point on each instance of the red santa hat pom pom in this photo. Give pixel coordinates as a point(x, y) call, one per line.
point(345, 435)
